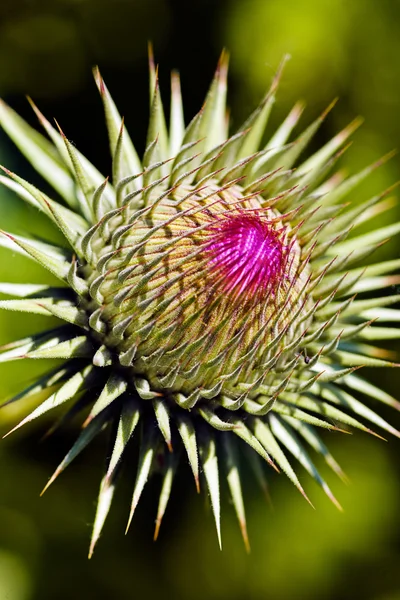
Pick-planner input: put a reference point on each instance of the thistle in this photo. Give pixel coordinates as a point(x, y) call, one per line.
point(206, 296)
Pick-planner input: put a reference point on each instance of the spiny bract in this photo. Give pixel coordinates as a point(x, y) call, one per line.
point(207, 294)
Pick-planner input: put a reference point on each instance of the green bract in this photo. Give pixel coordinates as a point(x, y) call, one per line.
point(207, 296)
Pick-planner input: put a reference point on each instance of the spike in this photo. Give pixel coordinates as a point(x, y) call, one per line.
point(163, 419)
point(169, 474)
point(130, 163)
point(188, 435)
point(86, 436)
point(105, 498)
point(113, 389)
point(51, 258)
point(208, 454)
point(128, 420)
point(79, 346)
point(288, 439)
point(68, 390)
point(146, 457)
point(235, 486)
point(39, 152)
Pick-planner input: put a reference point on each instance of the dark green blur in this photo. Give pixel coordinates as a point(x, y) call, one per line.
point(345, 48)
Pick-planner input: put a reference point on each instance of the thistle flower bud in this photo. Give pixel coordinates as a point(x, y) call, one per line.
point(209, 293)
point(197, 283)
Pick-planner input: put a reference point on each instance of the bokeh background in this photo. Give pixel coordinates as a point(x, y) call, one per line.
point(339, 48)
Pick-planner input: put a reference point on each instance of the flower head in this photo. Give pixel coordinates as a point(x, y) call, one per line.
point(207, 294)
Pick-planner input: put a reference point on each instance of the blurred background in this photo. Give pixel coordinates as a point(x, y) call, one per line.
point(338, 48)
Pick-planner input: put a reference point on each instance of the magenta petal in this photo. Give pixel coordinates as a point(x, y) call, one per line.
point(248, 255)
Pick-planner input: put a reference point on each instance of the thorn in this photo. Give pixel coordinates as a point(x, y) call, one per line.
point(245, 536)
point(302, 492)
point(40, 116)
point(11, 431)
point(150, 52)
point(334, 428)
point(381, 161)
point(329, 108)
point(370, 431)
point(51, 480)
point(8, 235)
point(91, 548)
point(273, 465)
point(6, 170)
point(130, 518)
point(87, 421)
point(394, 432)
point(60, 130)
point(99, 80)
point(157, 529)
point(331, 497)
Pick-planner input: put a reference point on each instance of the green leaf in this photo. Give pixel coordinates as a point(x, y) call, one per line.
point(310, 435)
point(365, 240)
point(40, 200)
point(177, 122)
point(78, 347)
point(163, 419)
point(39, 152)
point(52, 258)
point(338, 396)
point(47, 381)
point(47, 306)
point(288, 438)
point(379, 333)
point(84, 439)
point(78, 382)
point(263, 433)
point(24, 290)
point(208, 455)
point(381, 314)
point(309, 402)
point(188, 435)
point(292, 154)
point(84, 181)
point(246, 435)
point(19, 348)
point(157, 130)
point(67, 312)
point(169, 474)
point(283, 132)
point(129, 418)
point(114, 388)
point(92, 173)
point(146, 456)
point(319, 158)
point(104, 501)
point(255, 125)
point(351, 359)
point(342, 190)
point(359, 384)
point(35, 306)
point(235, 487)
point(212, 419)
point(291, 410)
point(214, 109)
point(130, 163)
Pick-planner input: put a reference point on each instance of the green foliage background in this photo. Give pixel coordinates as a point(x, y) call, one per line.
point(345, 48)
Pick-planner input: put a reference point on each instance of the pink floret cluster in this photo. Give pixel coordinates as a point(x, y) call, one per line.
point(248, 255)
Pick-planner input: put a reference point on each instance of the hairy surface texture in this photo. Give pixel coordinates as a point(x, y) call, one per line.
point(206, 294)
